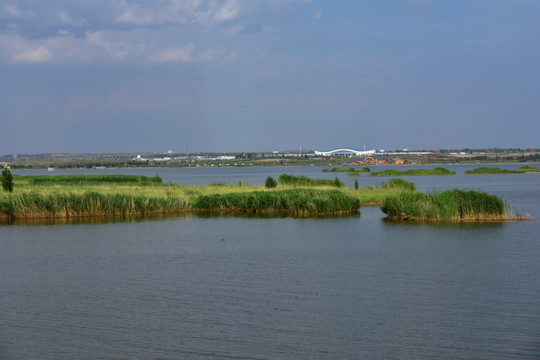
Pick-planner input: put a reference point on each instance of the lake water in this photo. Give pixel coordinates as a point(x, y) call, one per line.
point(238, 287)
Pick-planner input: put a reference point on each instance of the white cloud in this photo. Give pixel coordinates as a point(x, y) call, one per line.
point(205, 12)
point(65, 18)
point(317, 15)
point(157, 31)
point(135, 46)
point(13, 11)
point(224, 12)
point(63, 48)
point(39, 55)
point(110, 49)
point(62, 32)
point(177, 54)
point(137, 15)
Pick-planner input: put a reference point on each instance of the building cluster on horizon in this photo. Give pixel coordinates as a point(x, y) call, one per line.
point(372, 160)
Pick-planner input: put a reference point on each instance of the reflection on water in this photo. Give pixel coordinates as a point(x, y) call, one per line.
point(157, 217)
point(90, 219)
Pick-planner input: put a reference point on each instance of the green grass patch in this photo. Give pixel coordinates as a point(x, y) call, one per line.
point(415, 172)
point(398, 183)
point(87, 179)
point(450, 205)
point(296, 201)
point(346, 170)
point(303, 181)
point(494, 170)
point(69, 196)
point(33, 204)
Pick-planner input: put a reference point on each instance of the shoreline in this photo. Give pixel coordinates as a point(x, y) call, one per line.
point(265, 165)
point(285, 166)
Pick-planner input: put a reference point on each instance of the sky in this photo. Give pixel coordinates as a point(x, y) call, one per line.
point(252, 75)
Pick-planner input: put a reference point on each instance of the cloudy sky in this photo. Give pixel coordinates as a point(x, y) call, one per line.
point(248, 75)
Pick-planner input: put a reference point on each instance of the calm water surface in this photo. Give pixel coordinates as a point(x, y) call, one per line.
point(210, 287)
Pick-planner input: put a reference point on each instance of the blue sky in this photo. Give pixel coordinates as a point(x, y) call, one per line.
point(248, 75)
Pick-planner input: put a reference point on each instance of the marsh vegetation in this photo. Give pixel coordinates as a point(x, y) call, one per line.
point(398, 183)
point(450, 205)
point(119, 195)
point(414, 172)
point(495, 170)
point(347, 170)
point(303, 181)
point(90, 196)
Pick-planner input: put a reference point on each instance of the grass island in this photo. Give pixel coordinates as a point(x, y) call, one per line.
point(450, 206)
point(346, 170)
point(67, 196)
point(414, 172)
point(495, 170)
point(76, 196)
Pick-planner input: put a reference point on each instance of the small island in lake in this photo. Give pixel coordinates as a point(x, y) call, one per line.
point(495, 170)
point(75, 196)
point(347, 170)
point(414, 172)
point(67, 196)
point(450, 206)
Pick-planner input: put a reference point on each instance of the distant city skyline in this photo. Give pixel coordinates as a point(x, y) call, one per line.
point(247, 75)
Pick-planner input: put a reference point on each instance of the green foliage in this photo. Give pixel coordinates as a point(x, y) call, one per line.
point(450, 205)
point(32, 204)
point(356, 184)
point(7, 179)
point(350, 170)
point(527, 169)
point(312, 201)
point(285, 179)
point(91, 179)
point(398, 183)
point(270, 183)
point(493, 170)
point(415, 172)
point(219, 184)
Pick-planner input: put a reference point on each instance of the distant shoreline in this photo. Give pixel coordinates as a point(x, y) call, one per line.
point(267, 166)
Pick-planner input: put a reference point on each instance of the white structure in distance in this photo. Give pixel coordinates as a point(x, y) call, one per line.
point(345, 151)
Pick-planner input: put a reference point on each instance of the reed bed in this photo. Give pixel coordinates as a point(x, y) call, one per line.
point(451, 205)
point(415, 172)
point(87, 179)
point(296, 201)
point(371, 196)
point(398, 183)
point(493, 170)
point(39, 205)
point(345, 170)
point(101, 199)
point(303, 181)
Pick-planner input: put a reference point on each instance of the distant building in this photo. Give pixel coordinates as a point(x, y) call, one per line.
point(344, 151)
point(372, 160)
